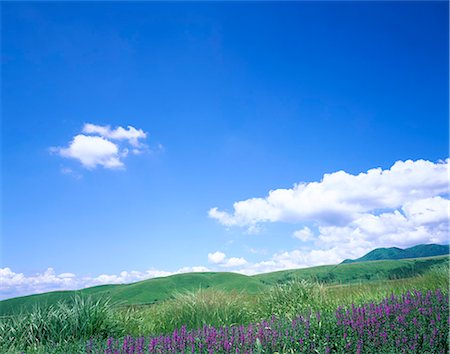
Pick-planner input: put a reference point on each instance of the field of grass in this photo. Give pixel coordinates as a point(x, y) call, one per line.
point(92, 325)
point(161, 289)
point(413, 322)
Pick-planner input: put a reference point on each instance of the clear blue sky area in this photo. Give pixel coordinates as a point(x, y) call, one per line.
point(236, 99)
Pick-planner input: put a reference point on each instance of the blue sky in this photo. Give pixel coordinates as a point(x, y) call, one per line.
point(227, 102)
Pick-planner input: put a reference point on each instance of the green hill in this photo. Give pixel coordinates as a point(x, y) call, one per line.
point(398, 253)
point(143, 292)
point(159, 289)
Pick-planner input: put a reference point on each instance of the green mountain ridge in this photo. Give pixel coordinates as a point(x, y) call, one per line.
point(159, 289)
point(429, 250)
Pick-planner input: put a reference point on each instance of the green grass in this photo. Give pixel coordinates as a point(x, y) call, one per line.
point(356, 272)
point(66, 326)
point(143, 292)
point(285, 299)
point(160, 289)
point(61, 324)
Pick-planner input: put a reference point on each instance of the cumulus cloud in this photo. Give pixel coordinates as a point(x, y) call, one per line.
point(92, 151)
point(221, 259)
point(124, 277)
point(304, 234)
point(351, 215)
point(216, 257)
point(234, 262)
point(131, 134)
point(194, 269)
point(422, 221)
point(103, 146)
point(402, 206)
point(16, 284)
point(341, 197)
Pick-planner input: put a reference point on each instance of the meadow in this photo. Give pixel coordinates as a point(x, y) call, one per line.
point(157, 290)
point(404, 314)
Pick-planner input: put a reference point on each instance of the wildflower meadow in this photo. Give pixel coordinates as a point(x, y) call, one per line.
point(415, 322)
point(396, 316)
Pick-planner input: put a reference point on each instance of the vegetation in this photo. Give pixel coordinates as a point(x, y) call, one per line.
point(413, 322)
point(84, 324)
point(61, 324)
point(160, 289)
point(398, 253)
point(144, 292)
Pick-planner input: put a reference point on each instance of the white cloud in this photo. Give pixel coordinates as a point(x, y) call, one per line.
point(403, 206)
point(216, 257)
point(125, 277)
point(352, 214)
point(194, 269)
point(428, 211)
point(131, 134)
point(66, 275)
point(102, 146)
point(220, 259)
point(422, 221)
point(428, 223)
point(234, 262)
point(299, 259)
point(304, 234)
point(92, 151)
point(341, 197)
point(16, 284)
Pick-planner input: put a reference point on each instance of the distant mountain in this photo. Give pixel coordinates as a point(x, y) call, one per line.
point(160, 289)
point(398, 253)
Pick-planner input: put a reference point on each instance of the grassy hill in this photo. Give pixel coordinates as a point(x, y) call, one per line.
point(357, 272)
point(398, 253)
point(159, 289)
point(143, 292)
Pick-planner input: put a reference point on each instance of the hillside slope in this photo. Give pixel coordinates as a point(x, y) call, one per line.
point(392, 253)
point(159, 289)
point(143, 292)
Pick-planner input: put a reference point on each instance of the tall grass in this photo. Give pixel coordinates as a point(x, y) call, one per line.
point(66, 327)
point(415, 322)
point(435, 278)
point(292, 298)
point(193, 310)
point(59, 324)
point(220, 308)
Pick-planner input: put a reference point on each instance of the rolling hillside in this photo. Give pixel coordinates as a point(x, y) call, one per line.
point(144, 292)
point(159, 289)
point(398, 253)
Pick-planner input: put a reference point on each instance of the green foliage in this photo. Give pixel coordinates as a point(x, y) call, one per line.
point(292, 298)
point(66, 325)
point(356, 272)
point(160, 289)
point(60, 324)
point(144, 292)
point(393, 253)
point(217, 308)
point(438, 276)
point(193, 310)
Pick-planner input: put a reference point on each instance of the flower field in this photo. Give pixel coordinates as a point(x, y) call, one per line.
point(414, 322)
point(296, 316)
